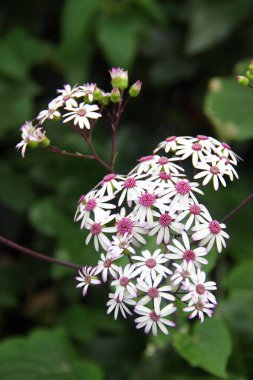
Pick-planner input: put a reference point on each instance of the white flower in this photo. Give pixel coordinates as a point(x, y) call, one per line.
point(197, 213)
point(110, 183)
point(93, 204)
point(81, 113)
point(210, 232)
point(30, 134)
point(198, 306)
point(229, 165)
point(145, 163)
point(87, 276)
point(117, 305)
point(67, 94)
point(97, 229)
point(183, 273)
point(119, 244)
point(182, 191)
point(88, 89)
point(184, 252)
point(151, 320)
point(196, 150)
point(208, 143)
point(106, 266)
point(123, 283)
point(154, 292)
point(52, 111)
point(170, 144)
point(131, 188)
point(215, 171)
point(199, 287)
point(225, 150)
point(149, 265)
point(165, 164)
point(163, 179)
point(165, 223)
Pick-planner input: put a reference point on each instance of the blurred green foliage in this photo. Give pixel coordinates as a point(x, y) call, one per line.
point(185, 53)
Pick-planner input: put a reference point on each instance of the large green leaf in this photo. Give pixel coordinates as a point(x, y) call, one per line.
point(44, 355)
point(208, 347)
point(210, 22)
point(241, 278)
point(229, 108)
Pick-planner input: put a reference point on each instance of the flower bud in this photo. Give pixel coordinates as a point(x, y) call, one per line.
point(251, 67)
point(33, 144)
point(45, 142)
point(97, 94)
point(115, 95)
point(119, 78)
point(135, 89)
point(105, 98)
point(249, 75)
point(242, 80)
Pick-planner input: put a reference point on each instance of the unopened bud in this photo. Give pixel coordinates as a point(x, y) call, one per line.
point(105, 98)
point(249, 75)
point(242, 80)
point(115, 95)
point(45, 142)
point(97, 94)
point(119, 78)
point(33, 144)
point(135, 89)
point(251, 67)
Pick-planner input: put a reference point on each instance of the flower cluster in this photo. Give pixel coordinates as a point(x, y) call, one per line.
point(154, 236)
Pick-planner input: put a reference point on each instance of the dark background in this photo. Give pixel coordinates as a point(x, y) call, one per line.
point(187, 54)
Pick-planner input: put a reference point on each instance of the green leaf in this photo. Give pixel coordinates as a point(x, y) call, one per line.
point(44, 355)
point(211, 22)
point(229, 108)
point(119, 38)
point(208, 347)
point(240, 278)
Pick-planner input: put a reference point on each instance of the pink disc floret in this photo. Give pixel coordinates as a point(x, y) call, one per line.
point(107, 263)
point(171, 138)
point(200, 289)
point(147, 199)
point(164, 175)
point(90, 204)
point(109, 177)
point(151, 263)
point(95, 229)
point(146, 158)
point(129, 183)
point(155, 317)
point(202, 137)
point(125, 225)
point(163, 160)
point(195, 209)
point(214, 170)
point(196, 146)
point(165, 220)
point(124, 281)
point(189, 255)
point(214, 227)
point(226, 146)
point(183, 187)
point(153, 292)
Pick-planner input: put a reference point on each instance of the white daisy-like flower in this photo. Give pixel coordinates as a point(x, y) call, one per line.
point(182, 192)
point(169, 144)
point(210, 232)
point(52, 111)
point(132, 187)
point(93, 204)
point(67, 95)
point(165, 164)
point(199, 306)
point(225, 150)
point(196, 213)
point(155, 293)
point(150, 265)
point(196, 150)
point(87, 89)
point(97, 230)
point(106, 267)
point(128, 224)
point(207, 142)
point(110, 184)
point(118, 305)
point(186, 253)
point(215, 170)
point(163, 179)
point(199, 287)
point(145, 164)
point(87, 276)
point(81, 113)
point(151, 320)
point(30, 134)
point(229, 165)
point(120, 244)
point(164, 225)
point(183, 273)
point(123, 283)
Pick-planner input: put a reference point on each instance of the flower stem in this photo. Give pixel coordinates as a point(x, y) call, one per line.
point(238, 208)
point(54, 149)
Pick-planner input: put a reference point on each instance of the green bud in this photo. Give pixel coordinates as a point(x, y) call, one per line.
point(97, 94)
point(115, 95)
point(33, 144)
point(249, 75)
point(135, 89)
point(105, 99)
point(242, 80)
point(251, 67)
point(119, 78)
point(46, 142)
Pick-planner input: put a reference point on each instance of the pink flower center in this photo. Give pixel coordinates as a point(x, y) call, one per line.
point(202, 137)
point(129, 183)
point(81, 112)
point(107, 263)
point(195, 209)
point(165, 220)
point(151, 263)
point(199, 306)
point(109, 177)
point(214, 170)
point(147, 199)
point(124, 281)
point(90, 205)
point(185, 274)
point(183, 187)
point(155, 317)
point(171, 138)
point(214, 227)
point(125, 225)
point(200, 289)
point(226, 146)
point(146, 158)
point(87, 280)
point(189, 255)
point(164, 175)
point(163, 160)
point(95, 229)
point(153, 292)
point(196, 146)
